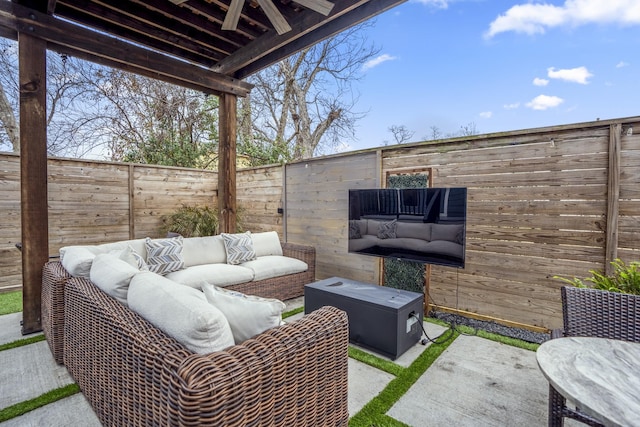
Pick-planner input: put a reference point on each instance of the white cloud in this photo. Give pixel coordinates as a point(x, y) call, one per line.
point(574, 75)
point(378, 60)
point(544, 102)
point(513, 106)
point(486, 114)
point(536, 18)
point(439, 4)
point(622, 64)
point(540, 82)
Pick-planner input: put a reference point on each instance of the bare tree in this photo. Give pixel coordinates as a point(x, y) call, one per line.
point(401, 133)
point(304, 104)
point(67, 106)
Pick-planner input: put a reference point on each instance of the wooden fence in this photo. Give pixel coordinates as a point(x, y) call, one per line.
point(543, 202)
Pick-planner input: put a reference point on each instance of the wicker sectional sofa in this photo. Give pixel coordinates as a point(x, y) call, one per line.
point(135, 371)
point(280, 286)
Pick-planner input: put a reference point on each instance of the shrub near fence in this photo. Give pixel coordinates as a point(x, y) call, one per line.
point(543, 202)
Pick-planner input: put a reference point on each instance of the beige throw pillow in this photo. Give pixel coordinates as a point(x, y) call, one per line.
point(248, 316)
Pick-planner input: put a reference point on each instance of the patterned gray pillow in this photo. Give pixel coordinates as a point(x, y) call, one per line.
point(387, 230)
point(239, 247)
point(354, 230)
point(164, 255)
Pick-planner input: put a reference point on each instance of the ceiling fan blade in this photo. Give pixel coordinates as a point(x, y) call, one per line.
point(279, 23)
point(321, 6)
point(178, 1)
point(233, 15)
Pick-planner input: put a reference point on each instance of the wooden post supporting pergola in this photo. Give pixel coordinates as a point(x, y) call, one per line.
point(33, 175)
point(227, 163)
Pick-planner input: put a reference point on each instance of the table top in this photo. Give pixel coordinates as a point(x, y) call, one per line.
point(601, 376)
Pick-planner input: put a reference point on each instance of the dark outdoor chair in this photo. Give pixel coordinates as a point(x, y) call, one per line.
point(593, 313)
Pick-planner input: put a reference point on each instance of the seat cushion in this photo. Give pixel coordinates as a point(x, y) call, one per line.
point(270, 266)
point(180, 312)
point(217, 274)
point(248, 315)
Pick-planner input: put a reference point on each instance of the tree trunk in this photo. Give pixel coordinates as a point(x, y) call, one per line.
point(8, 120)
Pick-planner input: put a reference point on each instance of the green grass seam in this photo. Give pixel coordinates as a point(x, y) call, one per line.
point(21, 342)
point(292, 312)
point(374, 412)
point(377, 362)
point(42, 400)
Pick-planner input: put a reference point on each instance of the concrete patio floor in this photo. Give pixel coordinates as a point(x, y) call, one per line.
point(475, 382)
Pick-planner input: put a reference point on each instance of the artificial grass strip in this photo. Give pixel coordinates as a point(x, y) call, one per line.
point(292, 312)
point(373, 413)
point(42, 400)
point(377, 362)
point(21, 342)
point(10, 302)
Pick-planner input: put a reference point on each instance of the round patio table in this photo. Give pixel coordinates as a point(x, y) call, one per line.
point(601, 376)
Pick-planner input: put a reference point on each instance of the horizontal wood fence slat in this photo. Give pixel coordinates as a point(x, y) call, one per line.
point(537, 207)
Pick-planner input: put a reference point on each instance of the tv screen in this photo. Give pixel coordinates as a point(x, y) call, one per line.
point(426, 225)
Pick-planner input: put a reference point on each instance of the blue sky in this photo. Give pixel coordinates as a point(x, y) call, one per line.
point(502, 65)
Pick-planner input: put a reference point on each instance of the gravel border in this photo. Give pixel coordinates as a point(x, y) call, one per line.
point(493, 327)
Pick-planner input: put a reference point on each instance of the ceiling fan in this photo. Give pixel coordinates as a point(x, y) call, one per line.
point(273, 14)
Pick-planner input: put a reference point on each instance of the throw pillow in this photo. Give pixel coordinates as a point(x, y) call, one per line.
point(248, 315)
point(354, 230)
point(239, 247)
point(133, 258)
point(164, 255)
point(387, 230)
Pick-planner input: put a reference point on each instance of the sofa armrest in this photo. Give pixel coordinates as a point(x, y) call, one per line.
point(54, 278)
point(302, 252)
point(295, 374)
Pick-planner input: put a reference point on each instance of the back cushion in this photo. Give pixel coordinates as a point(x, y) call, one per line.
point(416, 230)
point(203, 250)
point(112, 275)
point(181, 312)
point(449, 232)
point(266, 243)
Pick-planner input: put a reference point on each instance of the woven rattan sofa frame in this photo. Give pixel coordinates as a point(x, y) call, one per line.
point(54, 277)
point(133, 374)
point(592, 313)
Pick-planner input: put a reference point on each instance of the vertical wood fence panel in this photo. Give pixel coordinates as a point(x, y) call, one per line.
point(317, 211)
point(260, 195)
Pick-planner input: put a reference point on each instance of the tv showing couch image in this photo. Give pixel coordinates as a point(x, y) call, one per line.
point(426, 225)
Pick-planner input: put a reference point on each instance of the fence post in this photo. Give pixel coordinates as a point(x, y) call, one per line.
point(613, 196)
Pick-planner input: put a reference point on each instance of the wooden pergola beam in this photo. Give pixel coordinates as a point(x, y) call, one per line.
point(33, 175)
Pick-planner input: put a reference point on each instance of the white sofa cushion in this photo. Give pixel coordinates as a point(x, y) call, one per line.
point(181, 312)
point(218, 274)
point(266, 243)
point(203, 250)
point(449, 232)
point(77, 259)
point(248, 316)
point(112, 275)
point(239, 247)
point(270, 266)
point(164, 255)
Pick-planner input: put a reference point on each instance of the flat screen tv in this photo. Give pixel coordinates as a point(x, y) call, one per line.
point(426, 225)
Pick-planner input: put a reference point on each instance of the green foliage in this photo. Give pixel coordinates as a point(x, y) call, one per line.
point(403, 274)
point(173, 152)
point(625, 278)
point(192, 221)
point(10, 302)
